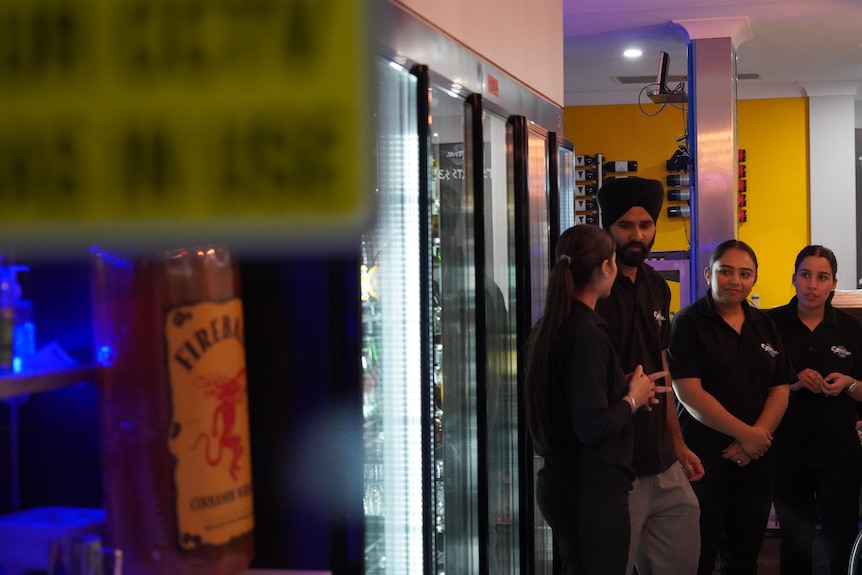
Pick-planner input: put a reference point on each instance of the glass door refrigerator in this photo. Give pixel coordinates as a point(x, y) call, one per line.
point(396, 331)
point(419, 328)
point(500, 506)
point(439, 333)
point(536, 226)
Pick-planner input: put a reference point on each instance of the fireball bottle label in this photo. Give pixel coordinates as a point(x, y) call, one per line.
point(209, 435)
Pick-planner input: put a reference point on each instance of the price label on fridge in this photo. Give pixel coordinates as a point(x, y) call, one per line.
point(146, 119)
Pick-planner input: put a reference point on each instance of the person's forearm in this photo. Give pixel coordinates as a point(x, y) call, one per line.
point(774, 407)
point(706, 409)
point(672, 421)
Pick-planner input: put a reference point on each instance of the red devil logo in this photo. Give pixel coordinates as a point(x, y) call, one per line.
point(229, 393)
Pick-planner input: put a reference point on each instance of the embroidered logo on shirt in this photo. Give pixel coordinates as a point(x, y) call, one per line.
point(769, 349)
point(659, 317)
point(841, 351)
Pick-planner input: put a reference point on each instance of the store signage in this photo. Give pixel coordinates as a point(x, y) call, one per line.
point(158, 121)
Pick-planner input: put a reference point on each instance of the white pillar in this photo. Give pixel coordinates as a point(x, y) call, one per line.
point(832, 173)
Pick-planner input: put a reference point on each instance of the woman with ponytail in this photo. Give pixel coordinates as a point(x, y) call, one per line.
point(579, 406)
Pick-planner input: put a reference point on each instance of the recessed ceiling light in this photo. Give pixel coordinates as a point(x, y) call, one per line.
point(633, 53)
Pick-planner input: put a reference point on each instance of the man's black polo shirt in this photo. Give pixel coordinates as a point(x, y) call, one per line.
point(637, 325)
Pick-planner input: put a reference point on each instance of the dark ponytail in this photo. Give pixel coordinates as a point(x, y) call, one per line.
point(581, 250)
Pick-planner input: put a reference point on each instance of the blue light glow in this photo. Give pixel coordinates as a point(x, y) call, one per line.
point(105, 356)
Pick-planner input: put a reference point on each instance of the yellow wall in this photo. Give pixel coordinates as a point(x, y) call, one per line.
point(774, 134)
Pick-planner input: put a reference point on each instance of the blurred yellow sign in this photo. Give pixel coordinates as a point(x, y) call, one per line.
point(170, 120)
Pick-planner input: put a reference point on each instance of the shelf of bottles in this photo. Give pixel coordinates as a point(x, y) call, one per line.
point(679, 185)
point(23, 371)
point(371, 406)
point(36, 381)
point(588, 177)
point(591, 173)
point(437, 370)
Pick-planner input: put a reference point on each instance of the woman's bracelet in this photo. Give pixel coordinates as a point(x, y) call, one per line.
point(632, 400)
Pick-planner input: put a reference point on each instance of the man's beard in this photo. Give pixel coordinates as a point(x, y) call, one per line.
point(632, 258)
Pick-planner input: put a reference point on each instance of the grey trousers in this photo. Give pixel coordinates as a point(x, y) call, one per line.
point(665, 524)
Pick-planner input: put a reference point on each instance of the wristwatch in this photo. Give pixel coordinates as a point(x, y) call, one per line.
point(852, 387)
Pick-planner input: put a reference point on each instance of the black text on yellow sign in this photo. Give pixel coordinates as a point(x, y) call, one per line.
point(220, 114)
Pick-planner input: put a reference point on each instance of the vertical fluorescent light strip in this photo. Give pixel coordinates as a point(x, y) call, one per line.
point(413, 380)
point(401, 354)
point(497, 259)
point(565, 173)
point(537, 181)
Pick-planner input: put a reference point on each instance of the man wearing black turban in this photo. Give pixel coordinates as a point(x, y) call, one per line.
point(619, 196)
point(665, 515)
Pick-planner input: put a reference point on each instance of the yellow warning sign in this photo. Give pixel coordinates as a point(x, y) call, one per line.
point(160, 119)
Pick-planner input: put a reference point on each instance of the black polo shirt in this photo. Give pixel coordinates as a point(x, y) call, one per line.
point(592, 423)
point(638, 327)
point(820, 430)
point(737, 369)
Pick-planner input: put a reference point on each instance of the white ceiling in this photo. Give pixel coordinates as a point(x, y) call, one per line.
point(795, 47)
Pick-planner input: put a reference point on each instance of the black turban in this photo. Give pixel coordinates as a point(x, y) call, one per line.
point(620, 195)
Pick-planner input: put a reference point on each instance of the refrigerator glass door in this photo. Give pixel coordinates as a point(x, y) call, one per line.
point(540, 258)
point(454, 300)
point(501, 379)
point(419, 336)
point(391, 338)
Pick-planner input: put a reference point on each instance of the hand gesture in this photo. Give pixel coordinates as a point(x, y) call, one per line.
point(811, 380)
point(735, 453)
point(690, 463)
point(835, 383)
point(642, 387)
point(755, 442)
